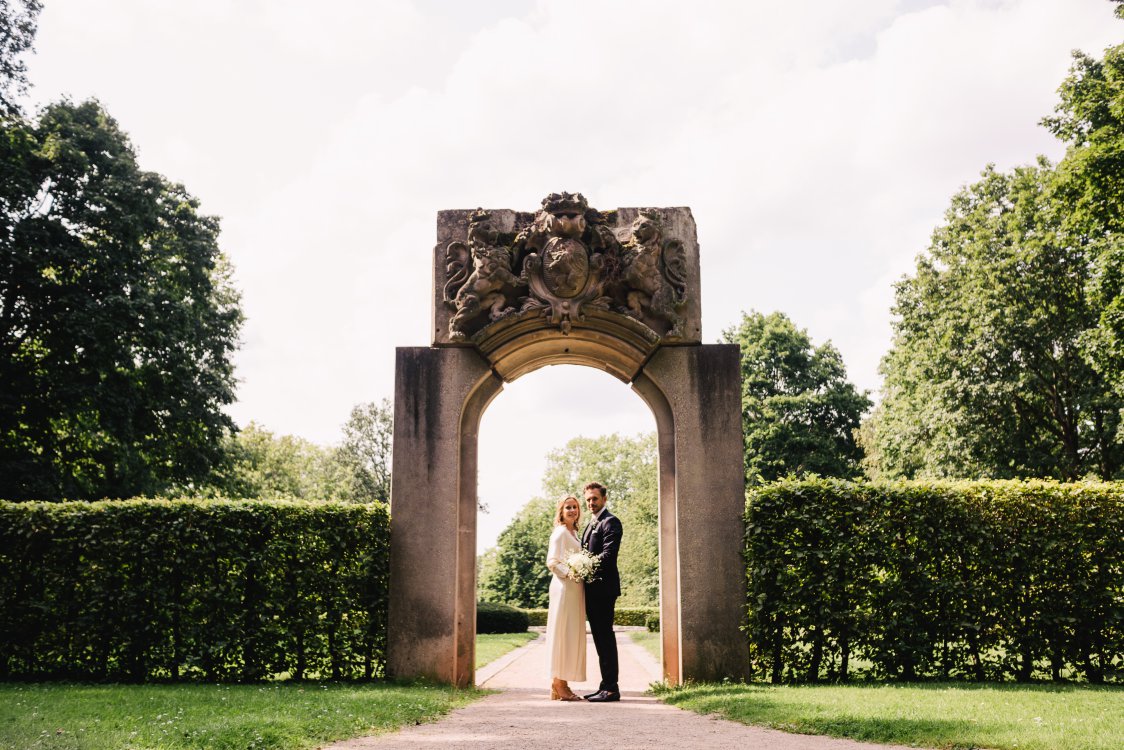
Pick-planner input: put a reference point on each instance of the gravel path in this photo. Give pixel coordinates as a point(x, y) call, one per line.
point(523, 716)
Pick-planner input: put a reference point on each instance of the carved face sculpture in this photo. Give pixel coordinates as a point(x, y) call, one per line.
point(483, 232)
point(645, 230)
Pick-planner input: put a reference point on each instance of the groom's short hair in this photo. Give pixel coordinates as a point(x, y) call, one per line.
point(599, 487)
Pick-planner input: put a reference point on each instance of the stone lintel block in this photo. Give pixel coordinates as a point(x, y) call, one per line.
point(678, 223)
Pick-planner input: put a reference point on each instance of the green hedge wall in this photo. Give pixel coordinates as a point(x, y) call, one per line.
point(222, 590)
point(639, 616)
point(635, 616)
point(492, 617)
point(536, 616)
point(981, 580)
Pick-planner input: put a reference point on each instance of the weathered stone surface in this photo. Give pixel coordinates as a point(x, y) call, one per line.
point(439, 395)
point(702, 389)
point(619, 292)
point(490, 266)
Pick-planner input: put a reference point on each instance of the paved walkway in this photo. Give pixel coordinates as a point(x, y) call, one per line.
point(522, 715)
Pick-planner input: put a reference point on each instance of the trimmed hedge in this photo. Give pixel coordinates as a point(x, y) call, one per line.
point(536, 616)
point(142, 590)
point(635, 616)
point(979, 580)
point(492, 617)
point(639, 616)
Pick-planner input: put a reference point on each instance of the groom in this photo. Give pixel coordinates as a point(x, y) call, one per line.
point(602, 538)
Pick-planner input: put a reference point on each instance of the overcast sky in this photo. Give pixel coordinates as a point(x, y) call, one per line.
point(817, 143)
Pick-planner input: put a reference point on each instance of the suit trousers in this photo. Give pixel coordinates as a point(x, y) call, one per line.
point(600, 609)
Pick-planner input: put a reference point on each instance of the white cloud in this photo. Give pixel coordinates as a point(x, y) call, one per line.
point(818, 145)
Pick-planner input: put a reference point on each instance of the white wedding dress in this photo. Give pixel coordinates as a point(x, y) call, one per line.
point(565, 621)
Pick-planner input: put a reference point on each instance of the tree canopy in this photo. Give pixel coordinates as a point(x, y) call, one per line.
point(366, 451)
point(799, 411)
point(19, 20)
point(1089, 184)
point(1007, 353)
point(515, 570)
point(259, 464)
point(118, 318)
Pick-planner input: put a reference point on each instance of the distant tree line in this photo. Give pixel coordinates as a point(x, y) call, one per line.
point(257, 463)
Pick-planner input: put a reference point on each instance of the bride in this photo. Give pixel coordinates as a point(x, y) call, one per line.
point(565, 621)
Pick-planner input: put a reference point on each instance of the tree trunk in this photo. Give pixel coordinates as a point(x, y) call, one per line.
point(817, 655)
point(778, 652)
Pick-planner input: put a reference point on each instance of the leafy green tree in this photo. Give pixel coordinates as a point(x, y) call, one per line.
point(18, 22)
point(366, 450)
point(515, 571)
point(799, 412)
point(986, 376)
point(118, 318)
point(261, 465)
point(1008, 358)
point(628, 467)
point(1089, 190)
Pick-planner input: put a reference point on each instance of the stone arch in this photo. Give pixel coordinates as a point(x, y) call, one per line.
point(441, 393)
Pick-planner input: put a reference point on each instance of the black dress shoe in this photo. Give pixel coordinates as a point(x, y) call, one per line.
point(590, 695)
point(604, 697)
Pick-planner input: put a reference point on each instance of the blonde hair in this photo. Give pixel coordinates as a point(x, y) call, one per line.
point(562, 504)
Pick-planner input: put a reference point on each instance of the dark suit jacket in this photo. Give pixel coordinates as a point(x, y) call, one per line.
point(603, 538)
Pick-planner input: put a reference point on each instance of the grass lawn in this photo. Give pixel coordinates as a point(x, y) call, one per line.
point(944, 715)
point(282, 715)
point(650, 642)
point(62, 716)
point(492, 646)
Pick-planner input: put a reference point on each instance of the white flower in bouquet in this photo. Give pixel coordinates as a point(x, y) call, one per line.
point(582, 565)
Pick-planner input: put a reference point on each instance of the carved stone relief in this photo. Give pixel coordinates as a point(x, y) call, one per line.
point(479, 276)
point(654, 274)
point(564, 261)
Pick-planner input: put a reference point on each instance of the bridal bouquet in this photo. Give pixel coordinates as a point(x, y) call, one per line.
point(582, 566)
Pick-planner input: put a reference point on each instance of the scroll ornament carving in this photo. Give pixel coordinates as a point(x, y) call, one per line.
point(565, 261)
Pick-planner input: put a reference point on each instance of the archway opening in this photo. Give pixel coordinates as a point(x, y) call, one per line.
point(441, 395)
point(569, 284)
point(547, 434)
point(561, 402)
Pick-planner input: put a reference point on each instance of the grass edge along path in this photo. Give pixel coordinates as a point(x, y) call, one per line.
point(650, 642)
point(491, 646)
point(281, 715)
point(939, 715)
point(269, 716)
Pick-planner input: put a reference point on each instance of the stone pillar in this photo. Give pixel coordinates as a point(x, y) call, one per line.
point(439, 395)
point(702, 387)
